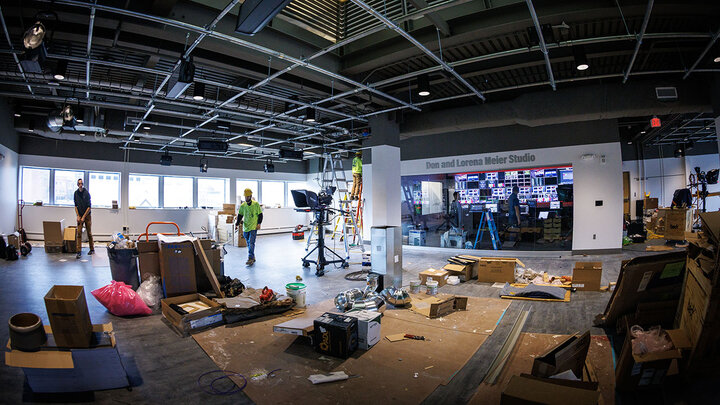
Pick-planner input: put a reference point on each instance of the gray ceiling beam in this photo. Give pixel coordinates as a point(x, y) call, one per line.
point(91, 26)
point(543, 47)
point(639, 39)
point(434, 18)
point(702, 55)
point(420, 46)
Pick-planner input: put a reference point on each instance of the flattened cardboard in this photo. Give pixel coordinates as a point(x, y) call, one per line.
point(526, 390)
point(396, 337)
point(570, 354)
point(41, 359)
point(207, 268)
point(434, 307)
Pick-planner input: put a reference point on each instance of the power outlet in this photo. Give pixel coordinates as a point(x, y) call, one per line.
point(594, 236)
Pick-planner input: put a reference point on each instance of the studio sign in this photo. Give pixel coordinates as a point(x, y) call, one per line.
point(486, 161)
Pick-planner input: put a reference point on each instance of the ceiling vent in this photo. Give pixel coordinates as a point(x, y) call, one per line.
point(666, 93)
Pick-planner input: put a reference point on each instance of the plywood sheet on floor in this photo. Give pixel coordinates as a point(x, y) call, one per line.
point(482, 315)
point(531, 345)
point(385, 372)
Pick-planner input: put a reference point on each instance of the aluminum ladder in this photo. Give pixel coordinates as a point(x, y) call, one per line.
point(486, 218)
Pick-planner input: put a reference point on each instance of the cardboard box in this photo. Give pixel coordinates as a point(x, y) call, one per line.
point(69, 317)
point(229, 207)
point(13, 239)
point(587, 276)
point(241, 242)
point(677, 222)
point(297, 326)
point(368, 328)
point(195, 321)
point(695, 302)
point(529, 390)
point(335, 335)
point(438, 275)
point(54, 249)
point(52, 369)
point(53, 232)
point(645, 279)
point(464, 272)
point(648, 370)
point(569, 354)
point(650, 204)
point(70, 246)
point(497, 269)
point(148, 259)
point(177, 268)
point(434, 307)
point(69, 233)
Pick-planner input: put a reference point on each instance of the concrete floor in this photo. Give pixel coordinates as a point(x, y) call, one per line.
point(164, 367)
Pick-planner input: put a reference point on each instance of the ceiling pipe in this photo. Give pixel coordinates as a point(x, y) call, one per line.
point(639, 38)
point(543, 47)
point(420, 46)
point(236, 41)
point(702, 55)
point(17, 60)
point(91, 25)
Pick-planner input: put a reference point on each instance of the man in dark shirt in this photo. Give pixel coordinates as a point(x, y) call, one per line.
point(514, 207)
point(82, 211)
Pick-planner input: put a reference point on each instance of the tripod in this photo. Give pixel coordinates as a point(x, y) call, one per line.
point(321, 219)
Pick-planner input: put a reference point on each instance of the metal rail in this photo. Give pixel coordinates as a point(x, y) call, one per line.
point(640, 36)
point(91, 26)
point(543, 47)
point(702, 55)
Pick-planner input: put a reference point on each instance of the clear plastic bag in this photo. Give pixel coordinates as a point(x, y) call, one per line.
point(119, 241)
point(150, 291)
point(120, 299)
point(653, 340)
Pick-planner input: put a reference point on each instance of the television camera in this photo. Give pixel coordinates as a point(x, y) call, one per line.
point(319, 205)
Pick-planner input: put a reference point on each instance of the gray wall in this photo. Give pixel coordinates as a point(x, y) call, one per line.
point(8, 170)
point(35, 145)
point(509, 138)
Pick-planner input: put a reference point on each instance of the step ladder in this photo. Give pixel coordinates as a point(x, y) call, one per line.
point(346, 226)
point(487, 223)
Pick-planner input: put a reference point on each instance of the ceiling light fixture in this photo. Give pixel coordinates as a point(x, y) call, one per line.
point(203, 165)
point(247, 145)
point(31, 126)
point(67, 113)
point(423, 85)
point(35, 52)
point(311, 114)
point(199, 91)
point(146, 127)
point(166, 159)
point(679, 151)
point(82, 134)
point(61, 70)
point(18, 115)
point(717, 59)
point(181, 79)
point(581, 62)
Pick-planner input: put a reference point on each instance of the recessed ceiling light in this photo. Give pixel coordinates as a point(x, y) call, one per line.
point(79, 120)
point(245, 144)
point(582, 66)
point(629, 142)
point(643, 132)
point(717, 59)
point(82, 134)
point(17, 115)
point(424, 93)
point(581, 62)
point(146, 127)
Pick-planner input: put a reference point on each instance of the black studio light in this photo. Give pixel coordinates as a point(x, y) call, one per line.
point(166, 159)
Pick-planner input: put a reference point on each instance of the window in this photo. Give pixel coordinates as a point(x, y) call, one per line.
point(241, 185)
point(65, 186)
point(211, 192)
point(273, 194)
point(295, 185)
point(104, 188)
point(178, 192)
point(35, 185)
point(143, 191)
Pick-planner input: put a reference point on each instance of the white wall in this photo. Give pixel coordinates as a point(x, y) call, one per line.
point(8, 196)
point(108, 221)
point(661, 177)
point(594, 227)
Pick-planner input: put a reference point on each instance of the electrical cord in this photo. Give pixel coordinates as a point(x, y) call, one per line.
point(210, 388)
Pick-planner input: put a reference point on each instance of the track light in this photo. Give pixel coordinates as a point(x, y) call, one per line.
point(423, 86)
point(199, 91)
point(33, 37)
point(679, 151)
point(67, 113)
point(311, 114)
point(203, 165)
point(717, 59)
point(61, 70)
point(181, 79)
point(166, 159)
point(580, 57)
point(35, 52)
point(269, 167)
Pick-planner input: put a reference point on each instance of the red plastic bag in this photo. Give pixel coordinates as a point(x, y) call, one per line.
point(120, 299)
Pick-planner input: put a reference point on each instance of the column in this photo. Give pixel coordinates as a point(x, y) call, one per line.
point(381, 179)
point(715, 89)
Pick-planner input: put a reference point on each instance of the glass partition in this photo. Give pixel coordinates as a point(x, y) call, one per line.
point(526, 209)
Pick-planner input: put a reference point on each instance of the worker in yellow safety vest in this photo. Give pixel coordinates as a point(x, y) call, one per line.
point(357, 176)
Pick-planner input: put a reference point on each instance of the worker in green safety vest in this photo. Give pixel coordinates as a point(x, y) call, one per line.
point(250, 217)
point(357, 176)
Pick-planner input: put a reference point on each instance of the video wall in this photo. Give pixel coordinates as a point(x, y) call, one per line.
point(430, 217)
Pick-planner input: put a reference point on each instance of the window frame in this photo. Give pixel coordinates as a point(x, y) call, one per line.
point(262, 192)
point(194, 191)
point(160, 188)
point(50, 185)
point(226, 190)
point(119, 188)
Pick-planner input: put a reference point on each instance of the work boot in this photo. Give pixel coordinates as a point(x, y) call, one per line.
point(251, 262)
point(77, 256)
point(91, 252)
point(247, 263)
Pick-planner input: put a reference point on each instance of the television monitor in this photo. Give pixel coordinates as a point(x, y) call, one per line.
point(565, 193)
point(481, 176)
point(501, 176)
point(550, 173)
point(543, 215)
point(524, 209)
point(473, 177)
point(460, 177)
point(554, 205)
point(566, 176)
point(472, 185)
point(492, 207)
point(551, 181)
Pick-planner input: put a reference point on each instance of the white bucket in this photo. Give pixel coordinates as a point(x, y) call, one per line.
point(415, 286)
point(296, 291)
point(432, 287)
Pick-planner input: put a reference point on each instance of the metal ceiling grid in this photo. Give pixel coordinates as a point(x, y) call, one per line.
point(321, 17)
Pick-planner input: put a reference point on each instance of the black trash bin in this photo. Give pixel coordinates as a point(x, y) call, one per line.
point(123, 266)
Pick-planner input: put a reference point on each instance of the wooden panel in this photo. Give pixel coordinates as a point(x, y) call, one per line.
point(626, 193)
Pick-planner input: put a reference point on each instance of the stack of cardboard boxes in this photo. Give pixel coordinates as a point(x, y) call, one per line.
point(551, 229)
point(69, 242)
point(53, 233)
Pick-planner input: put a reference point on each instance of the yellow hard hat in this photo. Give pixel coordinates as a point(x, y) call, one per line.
point(247, 192)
